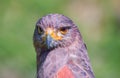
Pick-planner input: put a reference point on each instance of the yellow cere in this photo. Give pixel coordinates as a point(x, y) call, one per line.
point(53, 34)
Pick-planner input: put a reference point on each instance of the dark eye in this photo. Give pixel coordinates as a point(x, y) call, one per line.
point(40, 30)
point(64, 30)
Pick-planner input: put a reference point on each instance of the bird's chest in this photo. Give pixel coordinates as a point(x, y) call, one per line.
point(53, 62)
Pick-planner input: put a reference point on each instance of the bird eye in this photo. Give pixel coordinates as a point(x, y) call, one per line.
point(40, 30)
point(64, 30)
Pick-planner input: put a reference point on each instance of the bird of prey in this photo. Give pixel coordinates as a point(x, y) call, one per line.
point(60, 50)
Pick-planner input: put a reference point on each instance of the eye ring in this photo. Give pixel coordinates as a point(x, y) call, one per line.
point(40, 30)
point(63, 30)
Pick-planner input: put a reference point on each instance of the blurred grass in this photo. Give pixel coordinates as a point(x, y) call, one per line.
point(17, 21)
point(18, 18)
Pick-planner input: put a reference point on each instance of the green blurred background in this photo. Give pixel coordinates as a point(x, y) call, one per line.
point(98, 21)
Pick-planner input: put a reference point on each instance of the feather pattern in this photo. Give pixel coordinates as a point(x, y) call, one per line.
point(68, 58)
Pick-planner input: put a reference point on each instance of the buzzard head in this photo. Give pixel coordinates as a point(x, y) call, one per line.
point(54, 30)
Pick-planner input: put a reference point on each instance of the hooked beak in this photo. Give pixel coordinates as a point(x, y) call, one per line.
point(48, 41)
point(51, 35)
